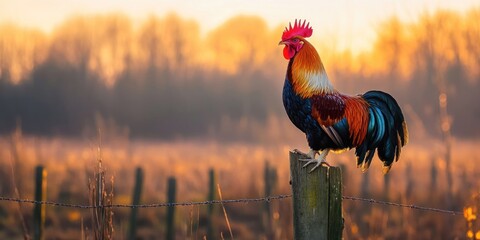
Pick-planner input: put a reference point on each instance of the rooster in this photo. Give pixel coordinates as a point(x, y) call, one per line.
point(333, 121)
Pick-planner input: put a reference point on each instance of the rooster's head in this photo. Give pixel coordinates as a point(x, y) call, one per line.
point(293, 38)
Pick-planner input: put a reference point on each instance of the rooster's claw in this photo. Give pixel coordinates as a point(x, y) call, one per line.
point(318, 163)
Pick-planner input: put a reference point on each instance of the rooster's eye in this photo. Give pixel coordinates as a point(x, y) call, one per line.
point(295, 40)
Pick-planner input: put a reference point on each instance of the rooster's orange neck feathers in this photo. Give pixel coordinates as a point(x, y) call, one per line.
point(308, 74)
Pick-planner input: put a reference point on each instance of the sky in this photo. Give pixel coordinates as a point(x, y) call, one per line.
point(347, 23)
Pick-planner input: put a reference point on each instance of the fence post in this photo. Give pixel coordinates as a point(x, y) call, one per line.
point(270, 179)
point(135, 201)
point(171, 192)
point(365, 185)
point(40, 195)
point(317, 201)
point(386, 187)
point(211, 207)
point(433, 177)
point(410, 181)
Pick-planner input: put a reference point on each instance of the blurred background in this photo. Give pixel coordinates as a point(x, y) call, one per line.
point(180, 87)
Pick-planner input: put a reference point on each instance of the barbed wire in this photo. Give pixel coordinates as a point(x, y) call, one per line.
point(411, 206)
point(154, 205)
point(227, 201)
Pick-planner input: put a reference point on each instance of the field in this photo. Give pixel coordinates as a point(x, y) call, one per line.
point(418, 178)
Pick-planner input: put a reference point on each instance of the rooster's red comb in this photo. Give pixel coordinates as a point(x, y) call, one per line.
point(298, 29)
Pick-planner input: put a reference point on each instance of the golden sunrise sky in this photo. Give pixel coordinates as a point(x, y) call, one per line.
point(344, 23)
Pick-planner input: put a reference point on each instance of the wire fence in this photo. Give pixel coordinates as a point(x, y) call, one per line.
point(227, 201)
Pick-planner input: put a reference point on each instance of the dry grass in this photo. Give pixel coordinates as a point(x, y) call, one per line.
point(239, 168)
point(102, 218)
point(225, 214)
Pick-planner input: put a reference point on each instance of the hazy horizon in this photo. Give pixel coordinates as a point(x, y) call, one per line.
point(352, 24)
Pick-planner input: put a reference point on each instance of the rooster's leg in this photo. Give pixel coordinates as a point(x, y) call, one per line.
point(321, 159)
point(309, 156)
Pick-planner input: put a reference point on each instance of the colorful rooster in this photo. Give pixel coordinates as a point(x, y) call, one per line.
point(334, 121)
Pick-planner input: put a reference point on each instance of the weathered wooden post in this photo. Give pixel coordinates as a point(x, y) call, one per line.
point(40, 195)
point(433, 176)
point(386, 186)
point(409, 189)
point(365, 185)
point(171, 193)
point(135, 201)
point(317, 201)
point(211, 207)
point(270, 179)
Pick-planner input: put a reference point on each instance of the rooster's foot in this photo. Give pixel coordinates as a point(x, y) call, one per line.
point(318, 163)
point(308, 156)
point(320, 160)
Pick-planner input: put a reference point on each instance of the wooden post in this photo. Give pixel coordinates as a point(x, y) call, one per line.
point(270, 179)
point(386, 187)
point(365, 185)
point(317, 201)
point(40, 195)
point(171, 193)
point(410, 181)
point(211, 207)
point(135, 201)
point(433, 177)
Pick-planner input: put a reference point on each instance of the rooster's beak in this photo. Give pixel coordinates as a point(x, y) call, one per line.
point(281, 43)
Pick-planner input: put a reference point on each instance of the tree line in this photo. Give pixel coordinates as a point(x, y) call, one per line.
point(162, 78)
